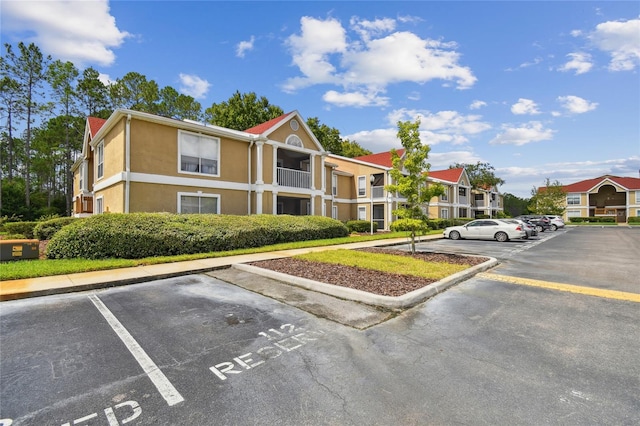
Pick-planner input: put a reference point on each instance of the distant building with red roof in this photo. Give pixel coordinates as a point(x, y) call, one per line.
point(617, 197)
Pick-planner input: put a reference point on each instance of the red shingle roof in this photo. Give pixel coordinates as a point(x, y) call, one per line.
point(261, 128)
point(381, 158)
point(586, 185)
point(95, 124)
point(449, 175)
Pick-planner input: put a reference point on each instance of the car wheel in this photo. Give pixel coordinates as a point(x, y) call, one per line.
point(539, 228)
point(502, 237)
point(554, 227)
point(454, 235)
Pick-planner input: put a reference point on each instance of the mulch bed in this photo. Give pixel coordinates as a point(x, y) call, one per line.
point(382, 283)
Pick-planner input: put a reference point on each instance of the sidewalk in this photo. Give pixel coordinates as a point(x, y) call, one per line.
point(34, 287)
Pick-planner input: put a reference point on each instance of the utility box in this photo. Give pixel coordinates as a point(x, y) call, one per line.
point(19, 249)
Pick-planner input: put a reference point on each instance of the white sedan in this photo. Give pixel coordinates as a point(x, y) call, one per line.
point(486, 229)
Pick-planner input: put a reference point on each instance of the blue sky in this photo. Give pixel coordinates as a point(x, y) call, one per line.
point(537, 89)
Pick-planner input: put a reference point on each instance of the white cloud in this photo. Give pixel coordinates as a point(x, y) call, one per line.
point(367, 29)
point(525, 106)
point(442, 160)
point(621, 41)
point(580, 63)
point(82, 32)
point(477, 104)
point(533, 131)
point(105, 79)
point(354, 99)
point(244, 46)
point(193, 86)
point(369, 60)
point(377, 140)
point(576, 105)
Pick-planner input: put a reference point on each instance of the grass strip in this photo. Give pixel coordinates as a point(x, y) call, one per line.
point(385, 263)
point(15, 270)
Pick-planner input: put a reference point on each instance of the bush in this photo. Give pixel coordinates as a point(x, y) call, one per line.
point(592, 219)
point(139, 235)
point(635, 219)
point(14, 237)
point(45, 230)
point(361, 226)
point(24, 228)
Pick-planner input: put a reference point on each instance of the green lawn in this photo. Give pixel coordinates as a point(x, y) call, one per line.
point(385, 263)
point(41, 268)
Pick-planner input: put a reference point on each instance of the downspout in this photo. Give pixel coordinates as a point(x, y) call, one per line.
point(127, 150)
point(249, 176)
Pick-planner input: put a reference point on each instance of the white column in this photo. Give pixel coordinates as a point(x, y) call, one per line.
point(323, 174)
point(312, 168)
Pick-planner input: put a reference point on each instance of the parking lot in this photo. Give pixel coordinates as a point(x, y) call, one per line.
point(198, 351)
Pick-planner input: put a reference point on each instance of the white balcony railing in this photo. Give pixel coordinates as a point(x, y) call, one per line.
point(293, 178)
point(377, 191)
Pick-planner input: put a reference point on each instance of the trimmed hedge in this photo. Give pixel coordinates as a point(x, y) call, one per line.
point(633, 219)
point(45, 230)
point(592, 219)
point(443, 223)
point(24, 228)
point(361, 226)
point(140, 235)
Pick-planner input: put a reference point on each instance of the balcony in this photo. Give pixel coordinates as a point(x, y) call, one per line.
point(83, 204)
point(293, 178)
point(377, 191)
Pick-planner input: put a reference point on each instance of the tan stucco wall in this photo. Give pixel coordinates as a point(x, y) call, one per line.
point(154, 150)
point(285, 131)
point(113, 151)
point(149, 197)
point(113, 198)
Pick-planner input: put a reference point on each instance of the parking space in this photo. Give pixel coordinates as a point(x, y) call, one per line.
point(195, 350)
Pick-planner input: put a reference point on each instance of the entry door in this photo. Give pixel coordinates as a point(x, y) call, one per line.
point(621, 216)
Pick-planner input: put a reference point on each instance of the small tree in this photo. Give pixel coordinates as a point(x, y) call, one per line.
point(549, 199)
point(410, 175)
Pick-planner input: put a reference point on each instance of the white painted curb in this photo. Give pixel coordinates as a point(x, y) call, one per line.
point(400, 302)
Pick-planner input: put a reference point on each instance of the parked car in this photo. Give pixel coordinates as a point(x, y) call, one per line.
point(486, 229)
point(542, 223)
point(556, 222)
point(528, 227)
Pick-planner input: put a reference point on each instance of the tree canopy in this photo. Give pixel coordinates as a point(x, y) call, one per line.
point(242, 111)
point(549, 199)
point(481, 175)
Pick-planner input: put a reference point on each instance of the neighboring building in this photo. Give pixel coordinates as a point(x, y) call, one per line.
point(609, 196)
point(487, 202)
point(140, 162)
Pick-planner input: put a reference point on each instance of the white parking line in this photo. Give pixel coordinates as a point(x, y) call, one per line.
point(164, 386)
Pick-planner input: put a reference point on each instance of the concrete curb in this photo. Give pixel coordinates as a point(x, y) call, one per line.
point(400, 302)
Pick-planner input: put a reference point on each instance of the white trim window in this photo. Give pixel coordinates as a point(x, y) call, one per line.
point(198, 203)
point(637, 197)
point(445, 196)
point(638, 213)
point(100, 160)
point(573, 199)
point(362, 186)
point(444, 213)
point(362, 213)
point(199, 154)
point(99, 207)
point(334, 184)
point(462, 192)
point(573, 213)
point(334, 212)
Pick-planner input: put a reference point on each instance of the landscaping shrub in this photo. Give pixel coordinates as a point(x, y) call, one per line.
point(592, 219)
point(139, 235)
point(361, 226)
point(46, 229)
point(24, 228)
point(633, 219)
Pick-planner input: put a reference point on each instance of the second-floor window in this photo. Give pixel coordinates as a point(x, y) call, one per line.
point(362, 186)
point(198, 153)
point(444, 197)
point(100, 160)
point(334, 184)
point(573, 199)
point(462, 192)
